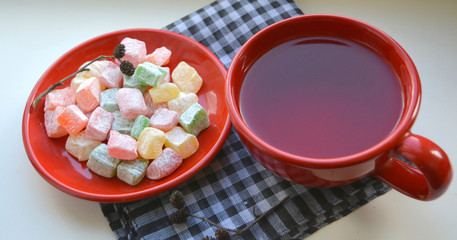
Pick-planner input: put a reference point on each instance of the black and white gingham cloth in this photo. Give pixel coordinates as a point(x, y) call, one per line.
point(226, 190)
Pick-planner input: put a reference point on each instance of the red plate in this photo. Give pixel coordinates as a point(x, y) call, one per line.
point(64, 172)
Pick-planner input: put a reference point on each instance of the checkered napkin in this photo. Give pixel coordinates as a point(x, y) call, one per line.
point(229, 187)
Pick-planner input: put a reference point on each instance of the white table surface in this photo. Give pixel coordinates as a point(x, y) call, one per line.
point(35, 33)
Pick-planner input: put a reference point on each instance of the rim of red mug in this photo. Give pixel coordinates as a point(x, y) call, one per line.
point(409, 113)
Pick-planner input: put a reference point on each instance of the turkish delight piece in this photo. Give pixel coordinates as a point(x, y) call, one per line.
point(194, 119)
point(132, 82)
point(135, 51)
point(122, 124)
point(132, 172)
point(150, 143)
point(160, 56)
point(88, 94)
point(150, 74)
point(182, 102)
point(122, 146)
point(141, 122)
point(102, 163)
point(99, 124)
point(181, 141)
point(95, 69)
point(59, 97)
point(53, 128)
point(186, 78)
point(164, 92)
point(167, 78)
point(80, 147)
point(76, 81)
point(131, 103)
point(108, 100)
point(72, 119)
point(164, 119)
point(165, 164)
point(111, 76)
point(151, 105)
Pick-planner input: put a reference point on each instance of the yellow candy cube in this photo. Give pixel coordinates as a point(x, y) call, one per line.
point(186, 78)
point(181, 141)
point(76, 81)
point(164, 92)
point(150, 143)
point(95, 69)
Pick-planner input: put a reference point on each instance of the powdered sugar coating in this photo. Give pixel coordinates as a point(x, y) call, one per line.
point(164, 119)
point(135, 50)
point(111, 76)
point(53, 128)
point(131, 103)
point(122, 146)
point(88, 94)
point(59, 97)
point(168, 161)
point(79, 146)
point(99, 124)
point(151, 105)
point(183, 102)
point(72, 119)
point(160, 56)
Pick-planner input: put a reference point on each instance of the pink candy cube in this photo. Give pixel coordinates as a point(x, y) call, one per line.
point(131, 103)
point(111, 76)
point(122, 146)
point(88, 94)
point(135, 51)
point(99, 124)
point(160, 56)
point(72, 119)
point(59, 97)
point(53, 128)
point(164, 119)
point(165, 164)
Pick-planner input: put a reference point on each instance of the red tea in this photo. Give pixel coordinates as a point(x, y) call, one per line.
point(321, 97)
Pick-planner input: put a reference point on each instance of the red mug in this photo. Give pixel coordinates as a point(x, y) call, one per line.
point(430, 172)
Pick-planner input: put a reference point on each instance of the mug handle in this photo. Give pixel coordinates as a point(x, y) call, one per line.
point(427, 179)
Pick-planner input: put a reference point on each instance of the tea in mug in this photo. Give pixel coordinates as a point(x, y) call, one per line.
point(321, 97)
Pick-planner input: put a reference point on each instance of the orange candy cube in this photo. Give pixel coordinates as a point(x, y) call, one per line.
point(160, 56)
point(72, 119)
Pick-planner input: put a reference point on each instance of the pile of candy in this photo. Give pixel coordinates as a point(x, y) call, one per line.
point(130, 126)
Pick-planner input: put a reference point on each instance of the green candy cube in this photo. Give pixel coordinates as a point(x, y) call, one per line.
point(121, 124)
point(102, 163)
point(141, 122)
point(108, 100)
point(133, 171)
point(132, 82)
point(194, 119)
point(150, 74)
